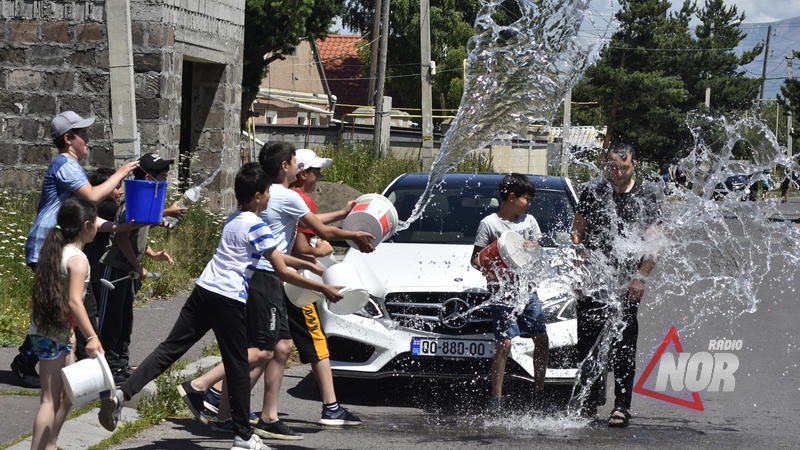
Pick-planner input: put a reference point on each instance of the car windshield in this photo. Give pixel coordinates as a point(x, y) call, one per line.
point(453, 214)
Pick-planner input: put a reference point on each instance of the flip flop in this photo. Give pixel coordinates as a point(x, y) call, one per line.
point(621, 415)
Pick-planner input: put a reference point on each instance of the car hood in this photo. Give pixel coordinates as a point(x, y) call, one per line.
point(416, 268)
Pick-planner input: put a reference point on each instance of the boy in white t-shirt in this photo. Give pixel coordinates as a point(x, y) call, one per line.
point(219, 302)
point(516, 190)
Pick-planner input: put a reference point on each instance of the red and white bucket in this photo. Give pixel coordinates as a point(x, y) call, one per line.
point(374, 214)
point(505, 255)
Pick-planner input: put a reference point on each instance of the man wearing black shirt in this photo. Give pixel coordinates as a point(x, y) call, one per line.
point(615, 223)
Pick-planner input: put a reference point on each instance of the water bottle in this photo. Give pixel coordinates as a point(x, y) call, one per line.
point(191, 196)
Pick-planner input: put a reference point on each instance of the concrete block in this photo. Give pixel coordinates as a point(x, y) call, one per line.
point(138, 36)
point(94, 82)
point(11, 102)
point(83, 58)
point(100, 155)
point(15, 56)
point(26, 80)
point(102, 59)
point(25, 129)
point(147, 108)
point(80, 104)
point(9, 153)
point(42, 104)
point(101, 105)
point(56, 32)
point(36, 154)
point(24, 30)
point(146, 62)
point(88, 32)
point(60, 81)
point(47, 55)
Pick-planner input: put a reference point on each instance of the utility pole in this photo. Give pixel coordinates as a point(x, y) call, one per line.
point(427, 73)
point(708, 75)
point(565, 134)
point(380, 146)
point(789, 107)
point(373, 62)
point(764, 69)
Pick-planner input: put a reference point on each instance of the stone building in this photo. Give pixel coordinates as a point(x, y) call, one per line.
point(187, 62)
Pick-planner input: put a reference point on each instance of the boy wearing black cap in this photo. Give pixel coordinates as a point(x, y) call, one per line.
point(64, 178)
point(123, 256)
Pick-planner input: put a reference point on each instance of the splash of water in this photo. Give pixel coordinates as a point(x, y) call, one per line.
point(517, 74)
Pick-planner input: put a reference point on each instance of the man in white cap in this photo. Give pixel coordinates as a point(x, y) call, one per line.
point(64, 178)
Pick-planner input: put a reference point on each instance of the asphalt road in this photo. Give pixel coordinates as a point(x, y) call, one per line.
point(762, 411)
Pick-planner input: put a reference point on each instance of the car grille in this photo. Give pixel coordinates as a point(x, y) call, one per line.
point(446, 313)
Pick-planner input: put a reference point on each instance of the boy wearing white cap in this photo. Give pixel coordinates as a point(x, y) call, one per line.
point(64, 178)
point(304, 323)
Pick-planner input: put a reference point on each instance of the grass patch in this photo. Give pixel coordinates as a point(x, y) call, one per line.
point(123, 432)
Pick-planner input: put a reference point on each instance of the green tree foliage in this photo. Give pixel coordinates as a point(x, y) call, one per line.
point(654, 71)
point(273, 29)
point(789, 98)
point(451, 27)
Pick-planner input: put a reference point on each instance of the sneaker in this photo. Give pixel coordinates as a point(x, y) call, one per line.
point(127, 370)
point(223, 426)
point(26, 373)
point(276, 430)
point(194, 400)
point(119, 377)
point(254, 443)
point(211, 402)
point(253, 418)
point(111, 410)
point(340, 417)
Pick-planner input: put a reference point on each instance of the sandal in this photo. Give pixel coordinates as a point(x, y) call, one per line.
point(620, 417)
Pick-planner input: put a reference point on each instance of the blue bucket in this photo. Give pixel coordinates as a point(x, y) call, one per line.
point(144, 200)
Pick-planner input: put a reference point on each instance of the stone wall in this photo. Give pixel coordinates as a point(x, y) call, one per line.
point(54, 57)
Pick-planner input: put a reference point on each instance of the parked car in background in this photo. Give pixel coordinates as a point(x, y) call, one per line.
point(738, 185)
point(427, 315)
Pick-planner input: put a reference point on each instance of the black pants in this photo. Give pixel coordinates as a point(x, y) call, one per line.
point(593, 319)
point(115, 317)
point(202, 311)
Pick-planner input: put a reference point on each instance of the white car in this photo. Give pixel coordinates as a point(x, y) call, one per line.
point(422, 319)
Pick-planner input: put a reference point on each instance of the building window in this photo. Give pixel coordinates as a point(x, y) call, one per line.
point(271, 117)
point(302, 119)
point(315, 119)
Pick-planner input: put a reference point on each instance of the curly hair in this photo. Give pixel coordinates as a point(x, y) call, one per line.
point(49, 308)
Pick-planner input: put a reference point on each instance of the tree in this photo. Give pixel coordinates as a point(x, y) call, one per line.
point(789, 98)
point(274, 28)
point(655, 71)
point(451, 27)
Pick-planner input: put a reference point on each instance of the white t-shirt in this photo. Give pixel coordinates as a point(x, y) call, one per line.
point(492, 226)
point(284, 209)
point(244, 239)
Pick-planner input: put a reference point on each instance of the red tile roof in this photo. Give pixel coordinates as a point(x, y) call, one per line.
point(343, 68)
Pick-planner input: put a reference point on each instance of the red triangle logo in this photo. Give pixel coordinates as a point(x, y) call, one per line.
point(672, 336)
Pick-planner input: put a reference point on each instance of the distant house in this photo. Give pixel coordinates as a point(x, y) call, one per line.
point(344, 71)
point(294, 91)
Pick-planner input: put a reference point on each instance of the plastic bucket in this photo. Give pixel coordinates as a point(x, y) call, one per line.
point(144, 200)
point(374, 214)
point(88, 380)
point(301, 297)
point(505, 255)
point(355, 294)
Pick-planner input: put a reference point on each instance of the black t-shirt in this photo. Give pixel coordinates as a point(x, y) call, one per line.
point(612, 218)
point(95, 249)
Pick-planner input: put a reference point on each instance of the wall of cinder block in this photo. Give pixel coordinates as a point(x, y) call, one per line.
point(54, 57)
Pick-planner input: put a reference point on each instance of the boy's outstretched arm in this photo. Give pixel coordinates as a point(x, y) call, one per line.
point(290, 276)
point(329, 233)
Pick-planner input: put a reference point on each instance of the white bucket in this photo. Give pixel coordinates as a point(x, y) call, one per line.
point(325, 261)
point(301, 297)
point(355, 294)
point(88, 380)
point(374, 214)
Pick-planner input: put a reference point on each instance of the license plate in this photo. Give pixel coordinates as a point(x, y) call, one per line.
point(455, 348)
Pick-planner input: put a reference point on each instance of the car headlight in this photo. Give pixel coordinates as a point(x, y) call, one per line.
point(372, 310)
point(559, 309)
